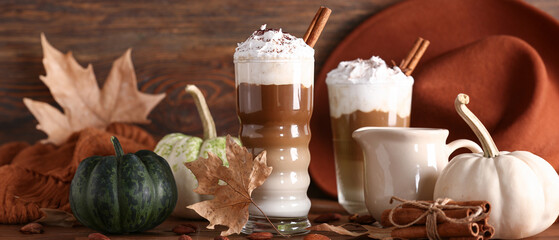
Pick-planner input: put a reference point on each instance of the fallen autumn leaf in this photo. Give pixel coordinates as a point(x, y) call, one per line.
point(229, 207)
point(84, 105)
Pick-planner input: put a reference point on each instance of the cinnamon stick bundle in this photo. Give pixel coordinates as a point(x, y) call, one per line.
point(410, 62)
point(443, 217)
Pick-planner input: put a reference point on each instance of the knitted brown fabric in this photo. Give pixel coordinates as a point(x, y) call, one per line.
point(39, 176)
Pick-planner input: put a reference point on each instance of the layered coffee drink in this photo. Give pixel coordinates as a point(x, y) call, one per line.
point(274, 74)
point(363, 93)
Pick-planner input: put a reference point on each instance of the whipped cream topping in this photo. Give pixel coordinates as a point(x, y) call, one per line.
point(365, 71)
point(273, 44)
point(368, 85)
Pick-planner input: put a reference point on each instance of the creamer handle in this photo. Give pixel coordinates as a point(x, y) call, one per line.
point(463, 143)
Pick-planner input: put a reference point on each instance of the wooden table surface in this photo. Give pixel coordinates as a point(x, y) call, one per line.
point(164, 232)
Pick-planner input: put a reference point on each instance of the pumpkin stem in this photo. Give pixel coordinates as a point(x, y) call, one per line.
point(118, 149)
point(489, 148)
point(205, 114)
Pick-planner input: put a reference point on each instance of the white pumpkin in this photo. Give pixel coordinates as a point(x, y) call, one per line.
point(178, 148)
point(523, 189)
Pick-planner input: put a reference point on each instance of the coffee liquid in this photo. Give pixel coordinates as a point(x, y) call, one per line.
point(348, 154)
point(276, 118)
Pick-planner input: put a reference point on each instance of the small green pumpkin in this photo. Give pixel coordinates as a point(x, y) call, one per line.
point(123, 193)
point(179, 148)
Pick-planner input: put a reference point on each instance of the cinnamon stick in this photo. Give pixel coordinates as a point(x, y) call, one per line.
point(483, 222)
point(466, 238)
point(317, 25)
point(410, 62)
point(404, 216)
point(487, 231)
point(313, 23)
point(406, 61)
point(445, 230)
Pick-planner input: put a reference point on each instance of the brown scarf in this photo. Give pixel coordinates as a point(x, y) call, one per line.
point(38, 176)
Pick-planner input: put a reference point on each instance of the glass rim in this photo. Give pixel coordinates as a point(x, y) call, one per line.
point(408, 82)
point(251, 60)
point(433, 130)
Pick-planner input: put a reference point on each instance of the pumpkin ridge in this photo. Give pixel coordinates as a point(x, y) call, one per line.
point(86, 169)
point(131, 171)
point(118, 158)
point(103, 168)
point(152, 217)
point(117, 187)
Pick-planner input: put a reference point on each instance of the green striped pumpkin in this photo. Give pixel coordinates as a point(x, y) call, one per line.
point(123, 193)
point(179, 148)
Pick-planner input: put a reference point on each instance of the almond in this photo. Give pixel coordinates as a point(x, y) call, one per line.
point(316, 237)
point(353, 217)
point(365, 219)
point(185, 237)
point(97, 236)
point(185, 228)
point(32, 228)
point(260, 236)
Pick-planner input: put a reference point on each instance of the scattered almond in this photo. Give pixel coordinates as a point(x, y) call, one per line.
point(97, 236)
point(365, 219)
point(32, 228)
point(221, 238)
point(185, 228)
point(327, 217)
point(185, 237)
point(353, 217)
point(316, 237)
point(260, 236)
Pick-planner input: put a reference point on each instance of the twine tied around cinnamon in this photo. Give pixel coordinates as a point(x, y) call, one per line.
point(432, 210)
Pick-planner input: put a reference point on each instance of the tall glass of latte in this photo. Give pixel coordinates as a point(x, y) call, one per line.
point(363, 93)
point(274, 73)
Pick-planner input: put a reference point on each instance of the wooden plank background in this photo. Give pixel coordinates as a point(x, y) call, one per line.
point(174, 43)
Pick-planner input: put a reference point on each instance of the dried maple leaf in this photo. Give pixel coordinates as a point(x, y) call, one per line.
point(229, 207)
point(56, 217)
point(376, 232)
point(325, 227)
point(76, 90)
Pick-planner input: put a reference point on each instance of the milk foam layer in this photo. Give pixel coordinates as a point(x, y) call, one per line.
point(368, 85)
point(275, 72)
point(273, 44)
point(266, 56)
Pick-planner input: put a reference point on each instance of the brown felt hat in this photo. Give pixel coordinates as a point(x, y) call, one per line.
point(504, 54)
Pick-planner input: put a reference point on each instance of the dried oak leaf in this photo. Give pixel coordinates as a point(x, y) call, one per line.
point(84, 105)
point(229, 207)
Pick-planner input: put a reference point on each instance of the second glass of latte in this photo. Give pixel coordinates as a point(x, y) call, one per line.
point(363, 93)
